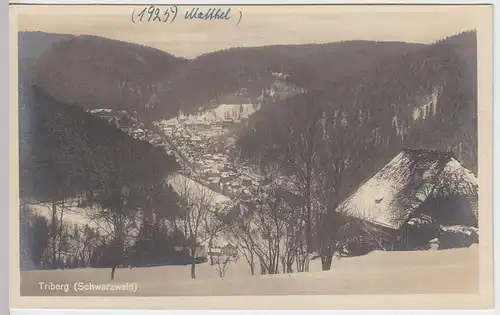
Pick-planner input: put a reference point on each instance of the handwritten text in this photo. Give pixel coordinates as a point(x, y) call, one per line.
point(168, 14)
point(210, 14)
point(155, 14)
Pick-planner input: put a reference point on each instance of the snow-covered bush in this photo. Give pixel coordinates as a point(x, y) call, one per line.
point(458, 236)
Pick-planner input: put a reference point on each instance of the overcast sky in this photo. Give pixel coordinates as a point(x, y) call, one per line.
point(260, 25)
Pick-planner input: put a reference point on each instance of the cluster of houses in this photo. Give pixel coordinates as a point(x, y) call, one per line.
point(418, 198)
point(130, 124)
point(203, 141)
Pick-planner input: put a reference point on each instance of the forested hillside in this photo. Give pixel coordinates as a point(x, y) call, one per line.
point(88, 70)
point(67, 154)
point(213, 76)
point(425, 99)
point(349, 108)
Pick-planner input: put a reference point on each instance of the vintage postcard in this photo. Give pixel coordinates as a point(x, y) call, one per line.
point(247, 157)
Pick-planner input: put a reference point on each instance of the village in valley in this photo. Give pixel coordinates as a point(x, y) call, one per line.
point(283, 174)
point(203, 144)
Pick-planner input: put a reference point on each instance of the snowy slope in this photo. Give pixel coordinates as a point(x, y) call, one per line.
point(446, 271)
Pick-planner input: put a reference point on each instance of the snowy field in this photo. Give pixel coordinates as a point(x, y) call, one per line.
point(72, 215)
point(419, 272)
point(75, 215)
point(180, 183)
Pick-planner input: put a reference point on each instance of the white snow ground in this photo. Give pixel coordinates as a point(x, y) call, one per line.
point(180, 182)
point(418, 272)
point(71, 216)
point(79, 216)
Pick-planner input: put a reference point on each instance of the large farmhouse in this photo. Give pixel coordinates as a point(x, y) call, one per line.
point(408, 202)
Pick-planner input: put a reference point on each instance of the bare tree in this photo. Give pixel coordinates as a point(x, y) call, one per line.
point(267, 231)
point(294, 147)
point(240, 234)
point(88, 241)
point(198, 217)
point(56, 209)
point(216, 225)
point(337, 155)
point(293, 239)
point(117, 215)
point(227, 255)
point(221, 264)
point(300, 160)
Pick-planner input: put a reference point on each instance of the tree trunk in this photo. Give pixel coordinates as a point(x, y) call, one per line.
point(308, 211)
point(289, 266)
point(263, 269)
point(272, 270)
point(298, 262)
point(54, 251)
point(252, 268)
point(113, 273)
point(193, 269)
point(326, 261)
point(61, 231)
point(210, 245)
point(193, 263)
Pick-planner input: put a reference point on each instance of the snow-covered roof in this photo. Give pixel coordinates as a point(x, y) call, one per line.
point(98, 110)
point(382, 198)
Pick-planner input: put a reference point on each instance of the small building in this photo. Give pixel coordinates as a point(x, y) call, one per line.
point(405, 203)
point(227, 122)
point(200, 251)
point(228, 250)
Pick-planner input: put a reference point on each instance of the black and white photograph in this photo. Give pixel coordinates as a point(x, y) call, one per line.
point(264, 150)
